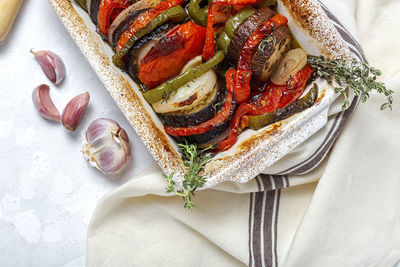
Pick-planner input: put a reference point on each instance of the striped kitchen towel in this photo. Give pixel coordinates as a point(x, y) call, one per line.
point(282, 217)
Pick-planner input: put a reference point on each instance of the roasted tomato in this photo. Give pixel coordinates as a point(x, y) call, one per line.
point(172, 52)
point(108, 11)
point(274, 97)
point(280, 96)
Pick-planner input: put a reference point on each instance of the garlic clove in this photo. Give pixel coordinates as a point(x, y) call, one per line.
point(99, 129)
point(41, 99)
point(51, 64)
point(74, 111)
point(106, 145)
point(124, 141)
point(111, 160)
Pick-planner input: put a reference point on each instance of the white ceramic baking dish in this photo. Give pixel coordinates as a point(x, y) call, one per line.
point(254, 150)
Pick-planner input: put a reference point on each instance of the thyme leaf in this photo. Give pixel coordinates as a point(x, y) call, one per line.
point(264, 43)
point(165, 96)
point(194, 160)
point(353, 74)
point(216, 105)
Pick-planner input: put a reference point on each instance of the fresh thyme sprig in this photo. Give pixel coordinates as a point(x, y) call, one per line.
point(194, 159)
point(356, 75)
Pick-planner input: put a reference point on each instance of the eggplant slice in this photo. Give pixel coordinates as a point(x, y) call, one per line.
point(270, 52)
point(200, 114)
point(244, 32)
point(121, 24)
point(93, 8)
point(212, 134)
point(126, 17)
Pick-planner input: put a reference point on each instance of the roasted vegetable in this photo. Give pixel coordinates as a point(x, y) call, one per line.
point(257, 122)
point(244, 71)
point(219, 119)
point(244, 32)
point(269, 52)
point(208, 135)
point(126, 17)
point(196, 13)
point(93, 9)
point(274, 97)
point(223, 42)
point(237, 125)
point(200, 113)
point(233, 23)
point(231, 26)
point(108, 11)
point(216, 140)
point(189, 95)
point(121, 23)
point(171, 85)
point(267, 3)
point(144, 19)
point(176, 14)
point(143, 46)
point(291, 63)
point(214, 15)
point(279, 96)
point(167, 58)
point(210, 129)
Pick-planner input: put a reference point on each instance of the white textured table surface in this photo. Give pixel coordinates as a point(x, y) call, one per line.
point(47, 189)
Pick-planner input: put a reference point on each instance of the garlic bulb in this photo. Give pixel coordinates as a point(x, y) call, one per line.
point(106, 146)
point(74, 111)
point(51, 64)
point(41, 99)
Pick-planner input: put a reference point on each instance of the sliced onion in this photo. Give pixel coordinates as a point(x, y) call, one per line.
point(88, 3)
point(198, 89)
point(141, 53)
point(291, 63)
point(196, 61)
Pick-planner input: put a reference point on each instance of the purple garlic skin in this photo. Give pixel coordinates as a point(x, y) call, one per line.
point(74, 111)
point(106, 146)
point(51, 64)
point(41, 99)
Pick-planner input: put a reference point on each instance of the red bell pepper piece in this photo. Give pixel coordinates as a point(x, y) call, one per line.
point(221, 116)
point(237, 126)
point(170, 55)
point(143, 19)
point(215, 5)
point(242, 88)
point(274, 97)
point(108, 11)
point(280, 96)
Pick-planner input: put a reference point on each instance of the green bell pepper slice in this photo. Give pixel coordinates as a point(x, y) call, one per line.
point(199, 15)
point(233, 23)
point(258, 122)
point(236, 20)
point(163, 90)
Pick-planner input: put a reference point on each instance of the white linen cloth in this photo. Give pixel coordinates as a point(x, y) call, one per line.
point(351, 218)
